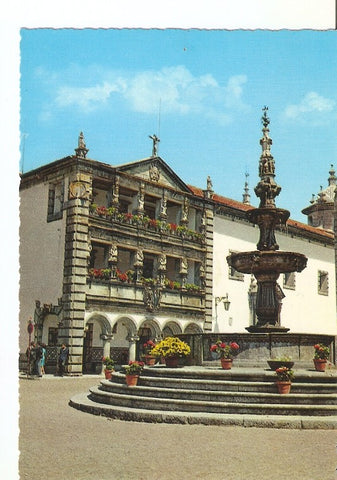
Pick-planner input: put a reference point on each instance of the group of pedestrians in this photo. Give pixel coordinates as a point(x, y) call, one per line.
point(36, 357)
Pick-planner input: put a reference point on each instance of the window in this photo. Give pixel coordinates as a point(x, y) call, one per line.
point(234, 274)
point(52, 336)
point(323, 283)
point(289, 280)
point(55, 201)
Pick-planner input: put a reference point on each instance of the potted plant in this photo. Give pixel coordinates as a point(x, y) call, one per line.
point(284, 377)
point(109, 367)
point(132, 372)
point(278, 362)
point(148, 357)
point(226, 352)
point(321, 356)
point(171, 349)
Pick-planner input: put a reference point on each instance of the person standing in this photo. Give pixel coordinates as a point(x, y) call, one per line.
point(63, 358)
point(38, 361)
point(31, 358)
point(43, 360)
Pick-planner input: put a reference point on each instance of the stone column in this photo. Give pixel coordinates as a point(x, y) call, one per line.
point(75, 269)
point(184, 212)
point(183, 271)
point(112, 261)
point(162, 269)
point(140, 198)
point(209, 228)
point(138, 264)
point(133, 339)
point(115, 193)
point(163, 208)
point(107, 338)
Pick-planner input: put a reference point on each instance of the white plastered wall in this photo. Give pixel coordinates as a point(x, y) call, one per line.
point(303, 309)
point(41, 255)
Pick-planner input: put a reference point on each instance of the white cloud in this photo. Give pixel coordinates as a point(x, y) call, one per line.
point(175, 88)
point(311, 103)
point(86, 97)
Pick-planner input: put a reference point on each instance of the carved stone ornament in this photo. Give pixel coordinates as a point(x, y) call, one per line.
point(154, 173)
point(77, 190)
point(151, 297)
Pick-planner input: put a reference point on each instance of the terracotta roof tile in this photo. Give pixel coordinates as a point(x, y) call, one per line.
point(228, 202)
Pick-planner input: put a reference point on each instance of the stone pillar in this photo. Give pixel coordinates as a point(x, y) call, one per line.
point(183, 271)
point(163, 207)
point(140, 198)
point(209, 222)
point(112, 261)
point(138, 264)
point(115, 193)
point(107, 338)
point(162, 269)
point(184, 212)
point(133, 339)
point(75, 269)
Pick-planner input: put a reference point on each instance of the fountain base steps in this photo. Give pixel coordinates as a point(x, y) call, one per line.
point(212, 396)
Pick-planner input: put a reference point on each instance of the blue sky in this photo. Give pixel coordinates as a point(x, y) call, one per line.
point(201, 91)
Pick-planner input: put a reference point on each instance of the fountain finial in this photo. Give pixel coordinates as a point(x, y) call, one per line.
point(267, 189)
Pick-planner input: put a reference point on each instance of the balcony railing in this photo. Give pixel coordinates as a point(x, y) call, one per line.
point(146, 223)
point(189, 297)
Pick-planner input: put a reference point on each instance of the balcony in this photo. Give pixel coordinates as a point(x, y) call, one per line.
point(124, 292)
point(133, 224)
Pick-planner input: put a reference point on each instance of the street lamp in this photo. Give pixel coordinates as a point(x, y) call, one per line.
point(225, 300)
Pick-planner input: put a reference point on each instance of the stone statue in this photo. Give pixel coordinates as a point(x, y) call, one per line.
point(162, 262)
point(183, 266)
point(113, 253)
point(139, 259)
point(155, 140)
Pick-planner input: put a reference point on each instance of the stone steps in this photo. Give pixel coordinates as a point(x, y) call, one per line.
point(215, 396)
point(243, 396)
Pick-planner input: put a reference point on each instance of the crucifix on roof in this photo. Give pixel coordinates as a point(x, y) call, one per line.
point(155, 140)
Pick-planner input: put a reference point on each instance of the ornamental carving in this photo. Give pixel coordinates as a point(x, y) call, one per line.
point(154, 173)
point(77, 190)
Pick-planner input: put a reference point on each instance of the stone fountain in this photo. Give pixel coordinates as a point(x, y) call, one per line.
point(266, 263)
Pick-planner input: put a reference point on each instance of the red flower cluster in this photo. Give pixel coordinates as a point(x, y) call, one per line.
point(224, 350)
point(101, 210)
point(136, 362)
point(121, 276)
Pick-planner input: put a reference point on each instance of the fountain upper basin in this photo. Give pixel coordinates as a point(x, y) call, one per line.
point(266, 261)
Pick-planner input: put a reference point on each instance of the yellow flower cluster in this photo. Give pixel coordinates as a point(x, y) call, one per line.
point(171, 347)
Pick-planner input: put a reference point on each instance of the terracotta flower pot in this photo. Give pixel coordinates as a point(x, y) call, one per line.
point(283, 387)
point(131, 380)
point(108, 374)
point(226, 363)
point(149, 360)
point(172, 362)
point(320, 364)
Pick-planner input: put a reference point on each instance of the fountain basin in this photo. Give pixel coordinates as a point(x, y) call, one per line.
point(267, 262)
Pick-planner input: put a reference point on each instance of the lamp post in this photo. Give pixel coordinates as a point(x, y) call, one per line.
point(30, 328)
point(225, 300)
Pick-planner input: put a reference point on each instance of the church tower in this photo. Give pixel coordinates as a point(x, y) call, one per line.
point(321, 211)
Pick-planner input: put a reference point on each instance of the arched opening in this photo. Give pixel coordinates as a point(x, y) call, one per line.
point(149, 330)
point(171, 329)
point(96, 329)
point(193, 328)
point(124, 330)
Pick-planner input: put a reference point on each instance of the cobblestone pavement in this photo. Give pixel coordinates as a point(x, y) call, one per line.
point(58, 442)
